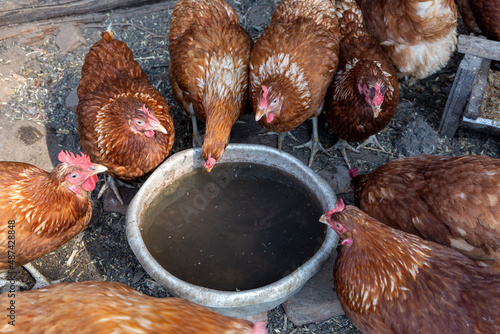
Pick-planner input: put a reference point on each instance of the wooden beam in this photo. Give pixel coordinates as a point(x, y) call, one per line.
point(16, 12)
point(478, 46)
point(473, 108)
point(459, 94)
point(41, 28)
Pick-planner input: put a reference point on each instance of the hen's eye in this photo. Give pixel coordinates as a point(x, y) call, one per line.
point(274, 101)
point(139, 122)
point(74, 175)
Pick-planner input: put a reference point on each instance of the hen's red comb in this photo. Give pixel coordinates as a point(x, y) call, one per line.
point(339, 207)
point(81, 160)
point(353, 172)
point(265, 92)
point(148, 113)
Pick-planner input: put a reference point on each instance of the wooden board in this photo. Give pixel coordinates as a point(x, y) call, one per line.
point(459, 94)
point(478, 46)
point(473, 108)
point(23, 11)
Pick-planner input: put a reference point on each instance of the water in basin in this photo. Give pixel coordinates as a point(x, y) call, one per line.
point(239, 227)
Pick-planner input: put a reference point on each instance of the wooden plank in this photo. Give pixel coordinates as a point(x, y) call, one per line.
point(41, 28)
point(478, 46)
point(43, 10)
point(460, 90)
point(473, 108)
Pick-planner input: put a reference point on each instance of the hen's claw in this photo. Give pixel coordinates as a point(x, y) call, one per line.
point(314, 144)
point(342, 145)
point(372, 140)
point(281, 136)
point(111, 184)
point(40, 280)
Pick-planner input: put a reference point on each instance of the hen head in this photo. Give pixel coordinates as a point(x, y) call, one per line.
point(269, 103)
point(341, 230)
point(209, 163)
point(212, 149)
point(143, 121)
point(373, 93)
point(77, 172)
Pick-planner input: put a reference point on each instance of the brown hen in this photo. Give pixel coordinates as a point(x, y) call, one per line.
point(209, 55)
point(419, 36)
point(454, 201)
point(291, 66)
point(123, 121)
point(481, 17)
point(389, 281)
point(112, 307)
point(41, 211)
point(365, 94)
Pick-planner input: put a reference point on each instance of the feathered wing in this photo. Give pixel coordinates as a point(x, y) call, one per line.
point(72, 307)
point(487, 17)
point(107, 60)
point(419, 36)
point(200, 13)
point(452, 201)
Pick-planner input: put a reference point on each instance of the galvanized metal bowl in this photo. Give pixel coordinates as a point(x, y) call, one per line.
point(238, 303)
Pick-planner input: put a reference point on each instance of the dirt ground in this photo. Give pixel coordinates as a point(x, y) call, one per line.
point(39, 73)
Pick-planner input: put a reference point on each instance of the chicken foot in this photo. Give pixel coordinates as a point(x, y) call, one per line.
point(372, 140)
point(6, 283)
point(281, 136)
point(314, 144)
point(111, 183)
point(342, 145)
point(40, 280)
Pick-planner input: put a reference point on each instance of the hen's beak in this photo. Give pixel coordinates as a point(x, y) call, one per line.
point(323, 219)
point(161, 129)
point(96, 169)
point(260, 113)
point(376, 111)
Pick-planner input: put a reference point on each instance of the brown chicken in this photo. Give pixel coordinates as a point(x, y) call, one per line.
point(452, 201)
point(209, 55)
point(111, 307)
point(389, 281)
point(291, 66)
point(123, 121)
point(481, 17)
point(419, 36)
point(41, 211)
point(364, 95)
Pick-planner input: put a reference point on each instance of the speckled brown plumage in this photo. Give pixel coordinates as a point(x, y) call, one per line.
point(389, 281)
point(296, 57)
point(113, 89)
point(454, 201)
point(209, 55)
point(419, 36)
point(481, 17)
point(111, 307)
point(362, 61)
point(45, 212)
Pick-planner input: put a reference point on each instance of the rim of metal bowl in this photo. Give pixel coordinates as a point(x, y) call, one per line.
point(217, 298)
